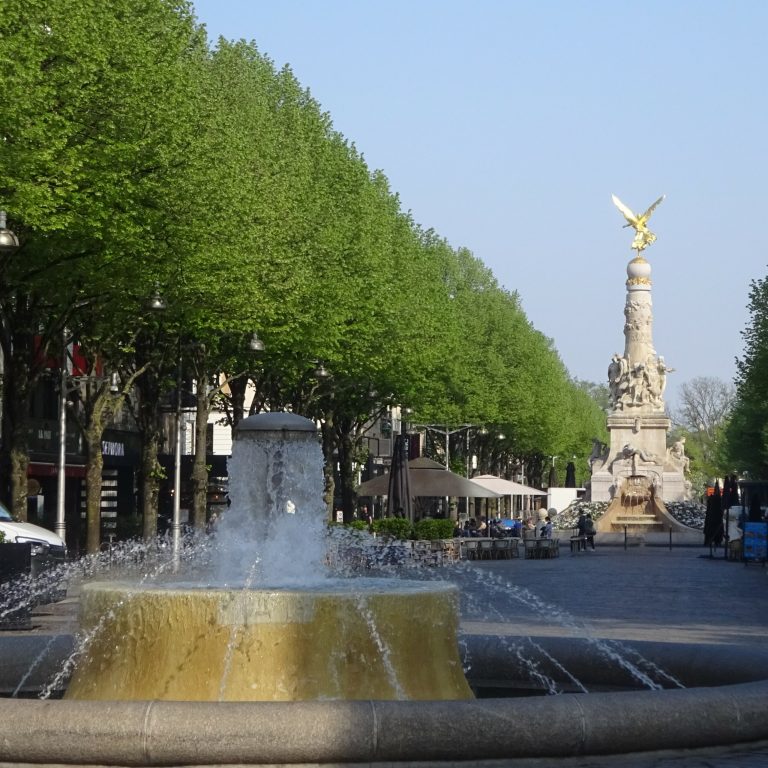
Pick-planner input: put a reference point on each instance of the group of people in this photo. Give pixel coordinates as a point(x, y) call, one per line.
point(493, 528)
point(482, 527)
point(586, 528)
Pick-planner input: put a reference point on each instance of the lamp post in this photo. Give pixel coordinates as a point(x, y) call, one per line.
point(176, 522)
point(61, 525)
point(447, 432)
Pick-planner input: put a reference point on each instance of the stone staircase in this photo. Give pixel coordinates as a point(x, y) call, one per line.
point(636, 522)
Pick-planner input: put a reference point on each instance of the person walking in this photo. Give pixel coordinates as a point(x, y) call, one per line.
point(589, 531)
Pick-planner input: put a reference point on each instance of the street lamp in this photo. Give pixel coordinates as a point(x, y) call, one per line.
point(447, 432)
point(255, 344)
point(157, 302)
point(9, 242)
point(321, 372)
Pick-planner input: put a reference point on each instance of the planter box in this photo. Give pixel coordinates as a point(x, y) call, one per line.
point(15, 561)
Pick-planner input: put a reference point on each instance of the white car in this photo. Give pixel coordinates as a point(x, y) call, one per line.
point(45, 543)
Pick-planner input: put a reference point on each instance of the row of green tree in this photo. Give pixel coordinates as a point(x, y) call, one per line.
point(746, 443)
point(136, 157)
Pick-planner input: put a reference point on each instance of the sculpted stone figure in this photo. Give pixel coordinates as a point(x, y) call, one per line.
point(662, 370)
point(599, 454)
point(631, 454)
point(676, 456)
point(618, 380)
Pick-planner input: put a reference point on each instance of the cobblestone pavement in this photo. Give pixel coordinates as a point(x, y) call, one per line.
point(642, 593)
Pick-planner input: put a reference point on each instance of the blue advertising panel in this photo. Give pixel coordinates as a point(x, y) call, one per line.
point(755, 541)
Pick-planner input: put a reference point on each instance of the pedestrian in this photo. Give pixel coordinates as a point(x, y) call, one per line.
point(589, 531)
point(546, 529)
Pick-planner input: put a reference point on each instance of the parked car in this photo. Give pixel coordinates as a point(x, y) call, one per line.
point(45, 545)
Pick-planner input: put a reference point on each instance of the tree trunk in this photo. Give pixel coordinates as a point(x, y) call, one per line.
point(93, 480)
point(199, 466)
point(329, 481)
point(17, 422)
point(19, 467)
point(238, 387)
point(102, 407)
point(346, 474)
point(151, 472)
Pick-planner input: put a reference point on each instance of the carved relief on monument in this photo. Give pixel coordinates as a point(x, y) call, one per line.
point(639, 385)
point(631, 459)
point(599, 455)
point(676, 460)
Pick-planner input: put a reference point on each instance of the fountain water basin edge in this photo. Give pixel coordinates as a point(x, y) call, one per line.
point(338, 639)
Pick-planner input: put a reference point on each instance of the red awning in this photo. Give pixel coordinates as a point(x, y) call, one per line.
point(44, 469)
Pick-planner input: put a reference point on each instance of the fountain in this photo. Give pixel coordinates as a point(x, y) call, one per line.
point(271, 626)
point(367, 669)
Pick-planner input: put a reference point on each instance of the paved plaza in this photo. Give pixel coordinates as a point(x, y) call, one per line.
point(641, 593)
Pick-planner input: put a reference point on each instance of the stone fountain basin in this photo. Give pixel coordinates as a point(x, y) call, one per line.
point(334, 639)
point(729, 709)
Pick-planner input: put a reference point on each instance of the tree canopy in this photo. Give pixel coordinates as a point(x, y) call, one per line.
point(747, 431)
point(137, 155)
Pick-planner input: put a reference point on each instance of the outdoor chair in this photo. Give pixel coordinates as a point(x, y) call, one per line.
point(486, 549)
point(549, 548)
point(451, 550)
point(531, 549)
point(501, 549)
point(470, 547)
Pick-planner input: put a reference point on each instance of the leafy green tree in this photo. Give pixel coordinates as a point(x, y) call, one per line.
point(705, 407)
point(98, 99)
point(747, 431)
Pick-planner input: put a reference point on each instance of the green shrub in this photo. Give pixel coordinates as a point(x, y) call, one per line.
point(434, 529)
point(398, 527)
point(358, 525)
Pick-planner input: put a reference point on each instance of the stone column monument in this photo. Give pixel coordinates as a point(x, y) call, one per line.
point(637, 468)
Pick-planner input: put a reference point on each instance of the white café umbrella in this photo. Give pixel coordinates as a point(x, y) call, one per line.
point(506, 487)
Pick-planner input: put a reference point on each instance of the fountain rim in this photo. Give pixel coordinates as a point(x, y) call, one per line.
point(331, 587)
point(155, 733)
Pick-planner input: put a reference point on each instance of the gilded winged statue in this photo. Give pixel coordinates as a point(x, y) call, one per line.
point(643, 236)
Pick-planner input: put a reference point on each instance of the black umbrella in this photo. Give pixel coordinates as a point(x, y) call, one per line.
point(727, 492)
point(399, 502)
point(552, 477)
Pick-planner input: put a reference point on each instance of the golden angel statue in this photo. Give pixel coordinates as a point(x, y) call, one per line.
point(643, 236)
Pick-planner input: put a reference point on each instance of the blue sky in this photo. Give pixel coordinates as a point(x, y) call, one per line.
point(506, 125)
